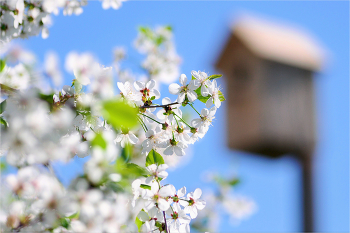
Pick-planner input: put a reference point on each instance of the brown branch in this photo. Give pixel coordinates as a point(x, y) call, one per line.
point(159, 106)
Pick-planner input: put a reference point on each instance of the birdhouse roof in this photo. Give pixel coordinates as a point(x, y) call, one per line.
point(279, 43)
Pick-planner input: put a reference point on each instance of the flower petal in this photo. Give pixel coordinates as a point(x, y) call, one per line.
point(151, 84)
point(197, 193)
point(163, 204)
point(183, 79)
point(192, 96)
point(139, 85)
point(174, 88)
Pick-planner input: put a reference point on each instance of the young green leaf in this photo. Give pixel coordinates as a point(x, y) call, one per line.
point(138, 223)
point(200, 97)
point(154, 157)
point(144, 186)
point(215, 76)
point(99, 141)
point(221, 97)
point(3, 122)
point(119, 114)
point(2, 65)
point(2, 106)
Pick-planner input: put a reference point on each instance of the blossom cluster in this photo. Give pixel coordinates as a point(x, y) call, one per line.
point(25, 18)
point(163, 206)
point(115, 133)
point(162, 61)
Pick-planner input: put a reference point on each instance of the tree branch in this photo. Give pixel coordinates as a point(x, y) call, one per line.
point(159, 106)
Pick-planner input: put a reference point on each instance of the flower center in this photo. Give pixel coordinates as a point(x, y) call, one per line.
point(191, 202)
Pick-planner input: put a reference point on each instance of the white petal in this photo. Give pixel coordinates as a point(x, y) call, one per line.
point(139, 85)
point(217, 102)
point(197, 193)
point(183, 79)
point(193, 212)
point(156, 94)
point(200, 204)
point(196, 122)
point(151, 84)
point(121, 86)
point(163, 174)
point(209, 102)
point(194, 84)
point(133, 138)
point(204, 112)
point(181, 192)
point(195, 74)
point(204, 90)
point(166, 100)
point(181, 97)
point(163, 204)
point(179, 151)
point(167, 191)
point(192, 96)
point(212, 111)
point(174, 88)
point(169, 150)
point(143, 216)
point(162, 167)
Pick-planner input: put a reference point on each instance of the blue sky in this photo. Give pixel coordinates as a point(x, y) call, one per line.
point(200, 29)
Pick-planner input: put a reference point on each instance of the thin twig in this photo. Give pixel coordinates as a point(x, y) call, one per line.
point(166, 226)
point(159, 106)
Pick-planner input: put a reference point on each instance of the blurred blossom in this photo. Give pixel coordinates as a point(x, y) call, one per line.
point(52, 68)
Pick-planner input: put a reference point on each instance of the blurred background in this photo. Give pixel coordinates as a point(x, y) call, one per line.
point(202, 29)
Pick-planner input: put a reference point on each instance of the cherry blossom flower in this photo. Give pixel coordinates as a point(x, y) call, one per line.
point(126, 137)
point(194, 203)
point(157, 172)
point(184, 90)
point(201, 80)
point(214, 98)
point(204, 122)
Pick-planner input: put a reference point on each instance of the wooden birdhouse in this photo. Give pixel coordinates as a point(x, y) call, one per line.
point(269, 84)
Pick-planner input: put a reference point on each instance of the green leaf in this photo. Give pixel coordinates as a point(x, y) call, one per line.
point(2, 65)
point(215, 76)
point(3, 166)
point(234, 181)
point(138, 223)
point(200, 97)
point(169, 28)
point(154, 157)
point(221, 97)
point(47, 98)
point(99, 141)
point(135, 170)
point(146, 31)
point(144, 186)
point(2, 121)
point(74, 216)
point(65, 222)
point(126, 152)
point(119, 114)
point(2, 106)
point(153, 98)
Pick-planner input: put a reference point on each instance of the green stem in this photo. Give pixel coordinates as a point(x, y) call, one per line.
point(195, 109)
point(142, 125)
point(182, 120)
point(151, 118)
point(176, 121)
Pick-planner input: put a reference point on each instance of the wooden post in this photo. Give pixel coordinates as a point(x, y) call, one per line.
point(307, 171)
